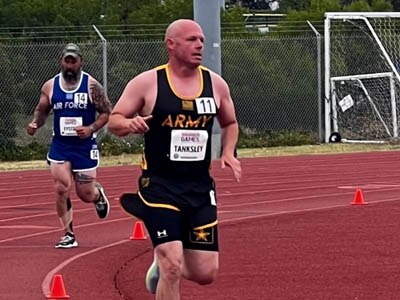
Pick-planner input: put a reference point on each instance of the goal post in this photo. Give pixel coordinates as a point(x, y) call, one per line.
point(364, 107)
point(362, 81)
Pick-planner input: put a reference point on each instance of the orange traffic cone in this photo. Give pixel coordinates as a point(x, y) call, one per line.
point(358, 198)
point(57, 288)
point(138, 231)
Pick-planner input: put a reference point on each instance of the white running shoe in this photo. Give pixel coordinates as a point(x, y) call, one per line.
point(103, 205)
point(67, 241)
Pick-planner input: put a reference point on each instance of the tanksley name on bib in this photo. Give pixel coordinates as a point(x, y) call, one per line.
point(188, 145)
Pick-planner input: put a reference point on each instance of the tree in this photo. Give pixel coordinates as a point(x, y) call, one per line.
point(381, 5)
point(396, 5)
point(295, 4)
point(162, 12)
point(8, 104)
point(317, 9)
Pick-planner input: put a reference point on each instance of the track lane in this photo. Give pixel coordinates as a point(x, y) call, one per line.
point(272, 187)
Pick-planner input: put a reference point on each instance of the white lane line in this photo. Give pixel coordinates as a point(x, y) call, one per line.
point(47, 280)
point(25, 227)
point(369, 186)
point(59, 229)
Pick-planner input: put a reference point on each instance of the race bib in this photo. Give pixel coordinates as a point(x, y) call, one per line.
point(188, 145)
point(80, 98)
point(206, 105)
point(68, 125)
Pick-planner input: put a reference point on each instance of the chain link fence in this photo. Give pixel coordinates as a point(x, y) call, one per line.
point(273, 81)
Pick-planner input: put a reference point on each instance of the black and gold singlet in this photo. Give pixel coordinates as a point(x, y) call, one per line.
point(178, 144)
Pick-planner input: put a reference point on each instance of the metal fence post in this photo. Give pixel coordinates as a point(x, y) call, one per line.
point(104, 42)
point(207, 14)
point(319, 84)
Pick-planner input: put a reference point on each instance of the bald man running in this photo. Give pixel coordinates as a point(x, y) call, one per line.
point(174, 106)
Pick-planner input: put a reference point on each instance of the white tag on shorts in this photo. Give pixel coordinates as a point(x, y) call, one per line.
point(94, 154)
point(68, 125)
point(212, 197)
point(188, 145)
point(206, 105)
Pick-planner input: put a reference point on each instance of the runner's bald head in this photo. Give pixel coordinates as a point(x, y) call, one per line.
point(177, 27)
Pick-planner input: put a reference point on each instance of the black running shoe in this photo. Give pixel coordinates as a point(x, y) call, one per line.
point(67, 241)
point(102, 206)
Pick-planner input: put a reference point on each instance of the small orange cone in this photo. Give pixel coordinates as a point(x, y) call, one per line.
point(138, 231)
point(57, 288)
point(358, 198)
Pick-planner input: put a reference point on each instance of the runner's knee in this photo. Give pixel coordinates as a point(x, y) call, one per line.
point(62, 189)
point(205, 275)
point(86, 195)
point(171, 268)
point(170, 261)
point(208, 278)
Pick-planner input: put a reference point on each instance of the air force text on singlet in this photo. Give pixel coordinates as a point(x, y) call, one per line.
point(69, 105)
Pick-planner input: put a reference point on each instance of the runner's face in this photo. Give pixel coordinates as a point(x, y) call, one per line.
point(190, 45)
point(70, 68)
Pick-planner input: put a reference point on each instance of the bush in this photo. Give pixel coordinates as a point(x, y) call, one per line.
point(273, 139)
point(110, 145)
point(32, 151)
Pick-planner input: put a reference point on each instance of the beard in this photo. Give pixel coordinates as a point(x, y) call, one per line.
point(70, 76)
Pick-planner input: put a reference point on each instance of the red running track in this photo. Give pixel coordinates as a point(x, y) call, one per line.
point(288, 231)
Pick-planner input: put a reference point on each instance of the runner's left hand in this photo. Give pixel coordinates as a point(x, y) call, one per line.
point(83, 131)
point(233, 163)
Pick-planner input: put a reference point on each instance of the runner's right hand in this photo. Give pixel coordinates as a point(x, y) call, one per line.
point(31, 128)
point(139, 124)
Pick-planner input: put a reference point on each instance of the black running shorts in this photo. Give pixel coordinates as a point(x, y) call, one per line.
point(171, 211)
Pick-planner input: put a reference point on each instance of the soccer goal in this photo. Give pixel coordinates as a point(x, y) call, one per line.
point(362, 82)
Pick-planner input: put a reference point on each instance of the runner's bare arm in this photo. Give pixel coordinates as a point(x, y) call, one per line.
point(226, 116)
point(42, 110)
point(132, 111)
point(102, 104)
point(229, 126)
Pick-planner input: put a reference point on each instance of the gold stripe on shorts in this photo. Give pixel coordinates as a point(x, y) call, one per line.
point(158, 205)
point(206, 226)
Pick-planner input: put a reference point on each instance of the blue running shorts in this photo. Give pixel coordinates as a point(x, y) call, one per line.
point(83, 157)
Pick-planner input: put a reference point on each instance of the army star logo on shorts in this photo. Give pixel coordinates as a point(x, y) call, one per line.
point(202, 236)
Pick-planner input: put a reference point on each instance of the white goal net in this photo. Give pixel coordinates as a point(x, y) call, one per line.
point(362, 82)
